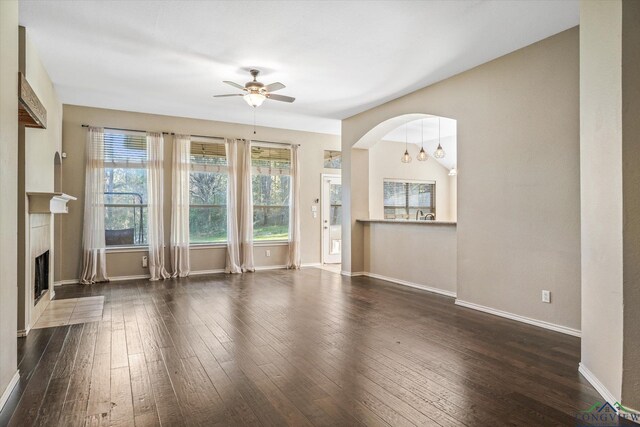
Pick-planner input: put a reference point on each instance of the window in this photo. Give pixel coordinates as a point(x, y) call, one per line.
point(125, 188)
point(208, 193)
point(271, 183)
point(403, 199)
point(332, 159)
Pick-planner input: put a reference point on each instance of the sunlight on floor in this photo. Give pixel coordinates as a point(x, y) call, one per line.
point(70, 311)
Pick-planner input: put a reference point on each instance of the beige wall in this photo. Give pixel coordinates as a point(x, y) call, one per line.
point(518, 182)
point(202, 259)
point(9, 185)
point(384, 162)
point(601, 186)
point(37, 163)
point(423, 255)
point(631, 194)
point(610, 176)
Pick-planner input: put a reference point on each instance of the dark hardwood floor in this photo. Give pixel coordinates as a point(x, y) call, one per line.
point(293, 348)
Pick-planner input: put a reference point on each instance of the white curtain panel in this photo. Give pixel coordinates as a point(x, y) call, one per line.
point(294, 258)
point(155, 238)
point(181, 169)
point(94, 260)
point(246, 210)
point(233, 241)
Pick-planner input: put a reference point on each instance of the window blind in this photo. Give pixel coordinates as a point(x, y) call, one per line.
point(267, 160)
point(208, 156)
point(125, 149)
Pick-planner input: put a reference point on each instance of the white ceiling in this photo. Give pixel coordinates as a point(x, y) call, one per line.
point(336, 58)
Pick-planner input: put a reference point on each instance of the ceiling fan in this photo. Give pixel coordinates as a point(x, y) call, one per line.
point(255, 92)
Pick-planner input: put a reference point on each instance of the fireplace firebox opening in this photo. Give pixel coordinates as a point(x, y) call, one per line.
point(41, 277)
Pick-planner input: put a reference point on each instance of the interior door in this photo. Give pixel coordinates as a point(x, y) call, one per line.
point(331, 219)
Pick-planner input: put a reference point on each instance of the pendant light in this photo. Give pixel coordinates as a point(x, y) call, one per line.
point(406, 158)
point(439, 153)
point(453, 171)
point(422, 155)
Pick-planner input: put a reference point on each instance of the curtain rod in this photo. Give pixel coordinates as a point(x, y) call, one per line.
point(127, 130)
point(197, 136)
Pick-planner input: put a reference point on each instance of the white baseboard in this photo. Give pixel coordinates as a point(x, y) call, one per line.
point(595, 382)
point(411, 284)
point(519, 318)
point(311, 265)
point(354, 274)
point(24, 332)
point(66, 282)
point(626, 413)
point(9, 389)
point(193, 273)
point(134, 277)
point(205, 272)
point(271, 267)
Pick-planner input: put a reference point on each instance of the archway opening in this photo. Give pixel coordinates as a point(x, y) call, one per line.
point(411, 163)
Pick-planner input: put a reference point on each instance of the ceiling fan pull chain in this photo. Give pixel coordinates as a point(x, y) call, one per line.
point(254, 120)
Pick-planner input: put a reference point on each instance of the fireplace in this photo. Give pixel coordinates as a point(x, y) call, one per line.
point(41, 276)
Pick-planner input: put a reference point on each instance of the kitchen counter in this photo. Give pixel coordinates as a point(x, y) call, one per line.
point(407, 221)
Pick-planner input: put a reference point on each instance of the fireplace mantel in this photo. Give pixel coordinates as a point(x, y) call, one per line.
point(49, 203)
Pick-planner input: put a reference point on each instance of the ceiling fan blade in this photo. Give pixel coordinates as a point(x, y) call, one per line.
point(231, 94)
point(274, 87)
point(234, 84)
point(282, 98)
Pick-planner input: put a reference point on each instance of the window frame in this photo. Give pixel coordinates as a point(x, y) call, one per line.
point(408, 207)
point(222, 169)
point(278, 242)
point(142, 206)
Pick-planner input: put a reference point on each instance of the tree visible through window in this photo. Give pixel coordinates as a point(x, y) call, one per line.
point(125, 188)
point(402, 199)
point(208, 193)
point(271, 183)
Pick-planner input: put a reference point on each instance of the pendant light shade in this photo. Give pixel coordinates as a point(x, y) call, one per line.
point(422, 155)
point(453, 172)
point(406, 158)
point(254, 99)
point(439, 153)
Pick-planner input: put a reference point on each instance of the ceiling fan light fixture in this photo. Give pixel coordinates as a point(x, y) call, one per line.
point(254, 99)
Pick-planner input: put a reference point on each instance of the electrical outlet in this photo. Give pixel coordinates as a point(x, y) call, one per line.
point(145, 262)
point(546, 296)
point(267, 252)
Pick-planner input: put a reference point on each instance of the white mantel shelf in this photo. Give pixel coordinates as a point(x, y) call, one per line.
point(49, 203)
point(407, 221)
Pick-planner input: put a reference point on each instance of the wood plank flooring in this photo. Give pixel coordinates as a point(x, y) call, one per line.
point(296, 348)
